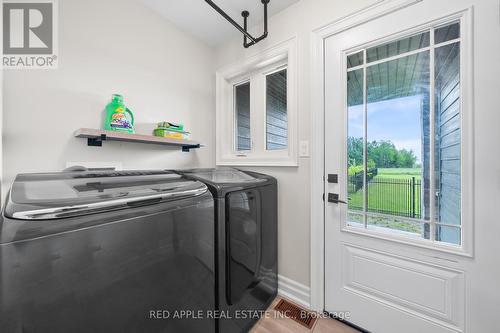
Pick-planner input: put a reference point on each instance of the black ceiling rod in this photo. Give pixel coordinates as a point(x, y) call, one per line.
point(243, 30)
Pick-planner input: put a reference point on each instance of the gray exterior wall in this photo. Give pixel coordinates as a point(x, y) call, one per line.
point(447, 166)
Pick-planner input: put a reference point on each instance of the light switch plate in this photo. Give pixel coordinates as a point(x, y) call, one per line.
point(304, 148)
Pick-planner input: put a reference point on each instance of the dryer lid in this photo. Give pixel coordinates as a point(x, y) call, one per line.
point(223, 175)
point(66, 194)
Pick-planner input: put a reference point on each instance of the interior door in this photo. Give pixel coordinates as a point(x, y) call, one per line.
point(396, 237)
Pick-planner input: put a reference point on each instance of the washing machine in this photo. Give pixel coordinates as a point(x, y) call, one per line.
point(246, 261)
point(107, 251)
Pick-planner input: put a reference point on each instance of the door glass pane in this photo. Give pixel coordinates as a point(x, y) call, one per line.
point(276, 112)
point(355, 219)
point(397, 128)
point(447, 143)
point(446, 33)
point(355, 135)
point(242, 112)
point(448, 234)
point(396, 225)
point(404, 152)
point(355, 59)
point(397, 47)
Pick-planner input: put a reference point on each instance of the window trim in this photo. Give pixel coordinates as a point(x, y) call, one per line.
point(255, 69)
point(466, 123)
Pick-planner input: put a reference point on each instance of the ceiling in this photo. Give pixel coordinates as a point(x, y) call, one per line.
point(197, 18)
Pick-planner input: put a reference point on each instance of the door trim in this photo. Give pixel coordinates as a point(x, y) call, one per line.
point(317, 220)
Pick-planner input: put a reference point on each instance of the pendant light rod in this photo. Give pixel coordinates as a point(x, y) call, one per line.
point(243, 30)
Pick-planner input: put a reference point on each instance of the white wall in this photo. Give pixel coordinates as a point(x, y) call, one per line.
point(112, 46)
point(294, 183)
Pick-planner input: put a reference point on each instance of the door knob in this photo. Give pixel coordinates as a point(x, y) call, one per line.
point(334, 197)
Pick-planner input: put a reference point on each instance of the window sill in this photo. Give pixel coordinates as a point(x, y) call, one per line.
point(249, 161)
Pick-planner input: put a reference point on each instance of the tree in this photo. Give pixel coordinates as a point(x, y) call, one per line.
point(381, 154)
point(406, 159)
point(355, 149)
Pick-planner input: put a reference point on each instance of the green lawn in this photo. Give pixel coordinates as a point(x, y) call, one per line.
point(390, 192)
point(399, 173)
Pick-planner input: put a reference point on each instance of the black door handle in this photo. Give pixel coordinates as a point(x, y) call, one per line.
point(334, 197)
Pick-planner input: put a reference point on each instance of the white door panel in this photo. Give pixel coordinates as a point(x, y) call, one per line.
point(408, 274)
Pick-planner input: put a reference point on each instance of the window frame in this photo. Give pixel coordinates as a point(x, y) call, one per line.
point(255, 70)
point(466, 123)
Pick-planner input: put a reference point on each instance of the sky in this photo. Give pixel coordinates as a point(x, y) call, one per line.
point(397, 120)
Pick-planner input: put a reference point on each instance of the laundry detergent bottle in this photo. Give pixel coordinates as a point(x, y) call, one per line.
point(118, 117)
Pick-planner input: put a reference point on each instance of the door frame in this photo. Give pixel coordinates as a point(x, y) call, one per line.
point(376, 10)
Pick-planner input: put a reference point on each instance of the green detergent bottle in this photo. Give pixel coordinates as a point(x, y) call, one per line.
point(118, 117)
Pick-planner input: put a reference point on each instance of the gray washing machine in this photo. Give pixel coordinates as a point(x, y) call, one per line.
point(246, 225)
point(105, 251)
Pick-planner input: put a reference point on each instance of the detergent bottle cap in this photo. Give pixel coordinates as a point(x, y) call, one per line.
point(117, 98)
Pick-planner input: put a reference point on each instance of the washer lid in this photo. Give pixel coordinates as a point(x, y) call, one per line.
point(66, 194)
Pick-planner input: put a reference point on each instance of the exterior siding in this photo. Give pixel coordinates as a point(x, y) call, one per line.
point(448, 148)
point(242, 104)
point(276, 111)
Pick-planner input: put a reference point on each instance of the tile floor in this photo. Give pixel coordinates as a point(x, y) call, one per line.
point(275, 324)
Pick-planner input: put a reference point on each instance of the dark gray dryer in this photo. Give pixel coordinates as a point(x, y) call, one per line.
point(246, 262)
point(98, 251)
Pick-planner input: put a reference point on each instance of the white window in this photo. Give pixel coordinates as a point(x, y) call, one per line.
point(256, 110)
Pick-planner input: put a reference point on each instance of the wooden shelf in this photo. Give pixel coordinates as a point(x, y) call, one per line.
point(95, 137)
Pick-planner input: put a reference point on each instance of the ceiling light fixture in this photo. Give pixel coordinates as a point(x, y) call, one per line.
point(243, 30)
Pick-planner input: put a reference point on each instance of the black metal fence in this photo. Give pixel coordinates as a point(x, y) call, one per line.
point(392, 196)
point(356, 180)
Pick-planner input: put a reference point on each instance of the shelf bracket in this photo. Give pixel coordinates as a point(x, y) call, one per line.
point(186, 148)
point(243, 30)
point(96, 141)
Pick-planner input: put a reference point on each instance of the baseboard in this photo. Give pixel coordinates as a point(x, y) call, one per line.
point(294, 291)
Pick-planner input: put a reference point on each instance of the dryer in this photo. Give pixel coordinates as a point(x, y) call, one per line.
point(246, 241)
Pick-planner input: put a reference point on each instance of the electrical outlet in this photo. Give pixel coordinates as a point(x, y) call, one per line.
point(304, 148)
